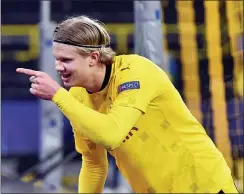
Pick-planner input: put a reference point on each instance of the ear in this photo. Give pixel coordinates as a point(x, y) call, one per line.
point(94, 58)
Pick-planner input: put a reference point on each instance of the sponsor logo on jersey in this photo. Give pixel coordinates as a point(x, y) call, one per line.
point(130, 134)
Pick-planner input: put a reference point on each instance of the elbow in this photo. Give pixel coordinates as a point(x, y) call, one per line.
point(112, 141)
point(112, 144)
point(113, 138)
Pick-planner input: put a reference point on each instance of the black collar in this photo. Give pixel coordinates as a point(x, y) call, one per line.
point(106, 78)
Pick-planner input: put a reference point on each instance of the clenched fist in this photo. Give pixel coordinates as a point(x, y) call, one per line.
point(43, 86)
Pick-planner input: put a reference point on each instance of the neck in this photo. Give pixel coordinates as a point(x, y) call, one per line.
point(97, 79)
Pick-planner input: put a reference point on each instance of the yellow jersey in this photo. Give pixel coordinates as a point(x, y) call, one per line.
point(166, 149)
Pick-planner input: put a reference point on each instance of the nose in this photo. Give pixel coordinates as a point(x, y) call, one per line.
point(59, 67)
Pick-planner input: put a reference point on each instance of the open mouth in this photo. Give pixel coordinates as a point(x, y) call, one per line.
point(65, 76)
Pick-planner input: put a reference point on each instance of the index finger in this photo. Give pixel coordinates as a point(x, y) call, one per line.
point(28, 71)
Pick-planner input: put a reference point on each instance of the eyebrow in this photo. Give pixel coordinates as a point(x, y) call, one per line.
point(66, 58)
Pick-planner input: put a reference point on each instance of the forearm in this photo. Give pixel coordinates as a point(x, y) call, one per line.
point(108, 130)
point(92, 178)
point(94, 166)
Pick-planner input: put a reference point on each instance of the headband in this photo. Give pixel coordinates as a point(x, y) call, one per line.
point(83, 46)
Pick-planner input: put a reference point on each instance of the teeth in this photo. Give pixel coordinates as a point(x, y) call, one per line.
point(65, 76)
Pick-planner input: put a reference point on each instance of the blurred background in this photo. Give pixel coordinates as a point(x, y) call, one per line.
point(202, 52)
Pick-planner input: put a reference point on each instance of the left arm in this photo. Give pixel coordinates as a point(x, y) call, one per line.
point(104, 129)
point(136, 86)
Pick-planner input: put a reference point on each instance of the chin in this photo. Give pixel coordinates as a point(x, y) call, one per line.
point(67, 84)
point(71, 84)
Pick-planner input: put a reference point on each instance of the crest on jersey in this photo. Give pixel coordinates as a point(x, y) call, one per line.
point(129, 86)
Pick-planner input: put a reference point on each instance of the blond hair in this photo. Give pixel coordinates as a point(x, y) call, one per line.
point(84, 31)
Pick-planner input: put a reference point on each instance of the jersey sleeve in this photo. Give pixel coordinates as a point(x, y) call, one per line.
point(94, 168)
point(108, 130)
point(135, 87)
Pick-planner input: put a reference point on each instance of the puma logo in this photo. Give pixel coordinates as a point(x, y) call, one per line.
point(125, 68)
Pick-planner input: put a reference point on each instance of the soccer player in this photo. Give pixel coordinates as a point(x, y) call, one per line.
point(126, 105)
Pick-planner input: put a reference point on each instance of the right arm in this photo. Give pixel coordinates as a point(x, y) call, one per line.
point(94, 167)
